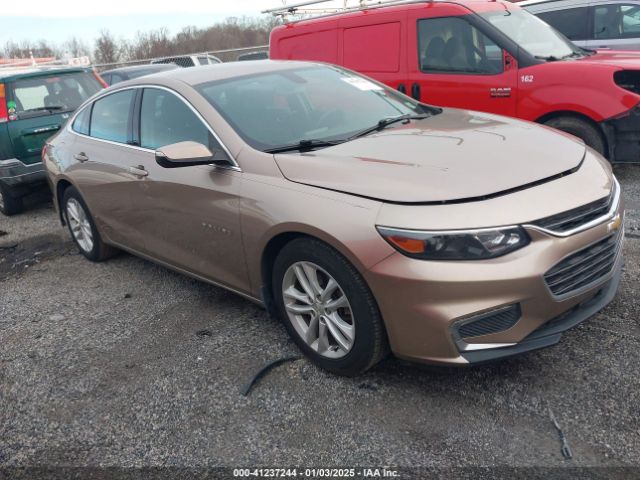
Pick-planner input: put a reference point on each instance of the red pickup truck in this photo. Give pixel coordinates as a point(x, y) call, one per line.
point(490, 56)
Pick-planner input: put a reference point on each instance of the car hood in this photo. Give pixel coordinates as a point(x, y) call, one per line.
point(454, 156)
point(614, 58)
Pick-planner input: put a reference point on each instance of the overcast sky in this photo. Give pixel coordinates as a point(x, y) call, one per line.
point(58, 20)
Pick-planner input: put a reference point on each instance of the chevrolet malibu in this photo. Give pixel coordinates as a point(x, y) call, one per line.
point(366, 221)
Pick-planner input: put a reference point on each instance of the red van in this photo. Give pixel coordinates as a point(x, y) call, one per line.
point(490, 56)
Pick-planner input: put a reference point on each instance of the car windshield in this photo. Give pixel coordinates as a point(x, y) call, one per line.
point(529, 32)
point(54, 93)
point(277, 109)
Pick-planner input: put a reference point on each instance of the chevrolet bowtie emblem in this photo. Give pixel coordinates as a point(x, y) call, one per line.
point(614, 224)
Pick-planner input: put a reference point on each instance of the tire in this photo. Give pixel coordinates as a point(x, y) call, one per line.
point(360, 311)
point(83, 229)
point(10, 203)
point(581, 129)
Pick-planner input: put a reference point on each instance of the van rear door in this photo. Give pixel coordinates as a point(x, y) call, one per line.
point(305, 41)
point(454, 62)
point(375, 45)
point(40, 104)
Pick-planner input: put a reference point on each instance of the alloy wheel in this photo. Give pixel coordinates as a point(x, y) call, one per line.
point(79, 225)
point(318, 309)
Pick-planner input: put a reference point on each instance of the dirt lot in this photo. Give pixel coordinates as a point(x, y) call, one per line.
point(128, 364)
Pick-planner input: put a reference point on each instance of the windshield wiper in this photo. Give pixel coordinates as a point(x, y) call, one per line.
point(549, 58)
point(385, 122)
point(553, 58)
point(304, 146)
point(573, 55)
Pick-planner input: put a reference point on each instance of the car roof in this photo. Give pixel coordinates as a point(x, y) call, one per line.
point(220, 71)
point(560, 3)
point(11, 73)
point(159, 67)
point(391, 6)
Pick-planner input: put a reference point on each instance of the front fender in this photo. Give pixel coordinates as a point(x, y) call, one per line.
point(573, 86)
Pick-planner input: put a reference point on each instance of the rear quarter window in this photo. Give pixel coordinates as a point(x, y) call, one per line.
point(52, 94)
point(81, 123)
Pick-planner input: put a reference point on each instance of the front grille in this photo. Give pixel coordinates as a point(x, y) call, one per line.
point(584, 267)
point(565, 221)
point(491, 322)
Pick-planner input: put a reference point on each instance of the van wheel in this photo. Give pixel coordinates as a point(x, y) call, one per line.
point(328, 308)
point(10, 203)
point(581, 129)
point(83, 229)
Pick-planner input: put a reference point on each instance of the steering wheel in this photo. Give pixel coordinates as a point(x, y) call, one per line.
point(483, 55)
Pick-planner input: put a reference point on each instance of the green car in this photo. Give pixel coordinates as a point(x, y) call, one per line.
point(34, 104)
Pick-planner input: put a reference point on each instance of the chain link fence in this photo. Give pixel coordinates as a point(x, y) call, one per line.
point(188, 59)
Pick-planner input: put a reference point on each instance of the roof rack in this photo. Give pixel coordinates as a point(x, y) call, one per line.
point(298, 8)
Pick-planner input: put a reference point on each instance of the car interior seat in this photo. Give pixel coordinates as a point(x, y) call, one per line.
point(455, 55)
point(433, 57)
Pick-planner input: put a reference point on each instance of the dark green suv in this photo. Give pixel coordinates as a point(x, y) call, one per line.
point(34, 104)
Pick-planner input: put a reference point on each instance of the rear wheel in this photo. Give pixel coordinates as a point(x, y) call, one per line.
point(10, 202)
point(581, 129)
point(327, 307)
point(83, 229)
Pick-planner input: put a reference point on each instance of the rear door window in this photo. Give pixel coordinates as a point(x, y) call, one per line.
point(110, 116)
point(52, 94)
point(616, 21)
point(165, 119)
point(573, 23)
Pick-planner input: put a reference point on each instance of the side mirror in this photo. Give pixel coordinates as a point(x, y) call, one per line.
point(186, 154)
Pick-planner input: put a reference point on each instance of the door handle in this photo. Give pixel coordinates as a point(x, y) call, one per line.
point(402, 88)
point(138, 171)
point(81, 157)
point(415, 91)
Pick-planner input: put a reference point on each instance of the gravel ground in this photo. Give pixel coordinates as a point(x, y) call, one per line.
point(127, 364)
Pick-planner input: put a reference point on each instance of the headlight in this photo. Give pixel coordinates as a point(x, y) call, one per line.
point(456, 245)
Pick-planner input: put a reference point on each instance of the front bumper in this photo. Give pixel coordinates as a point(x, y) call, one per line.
point(551, 332)
point(623, 136)
point(423, 302)
point(14, 173)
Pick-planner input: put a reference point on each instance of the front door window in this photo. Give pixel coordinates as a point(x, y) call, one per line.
point(451, 44)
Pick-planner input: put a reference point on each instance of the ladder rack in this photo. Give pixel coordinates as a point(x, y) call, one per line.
point(297, 8)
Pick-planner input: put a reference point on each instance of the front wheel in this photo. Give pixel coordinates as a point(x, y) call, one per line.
point(581, 129)
point(327, 308)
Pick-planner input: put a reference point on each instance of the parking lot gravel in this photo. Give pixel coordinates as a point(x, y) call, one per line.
point(128, 364)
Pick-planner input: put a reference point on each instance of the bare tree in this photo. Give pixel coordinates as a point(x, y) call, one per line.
point(26, 48)
point(107, 50)
point(231, 33)
point(75, 47)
